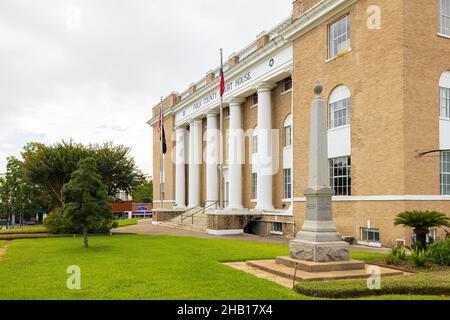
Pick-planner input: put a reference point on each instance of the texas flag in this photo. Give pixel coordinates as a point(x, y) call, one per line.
point(222, 82)
point(162, 131)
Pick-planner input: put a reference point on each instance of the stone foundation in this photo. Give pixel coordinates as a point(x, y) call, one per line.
point(161, 215)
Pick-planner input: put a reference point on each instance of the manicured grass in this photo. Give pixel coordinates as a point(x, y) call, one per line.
point(436, 283)
point(159, 267)
point(2, 242)
point(27, 229)
point(127, 222)
point(137, 267)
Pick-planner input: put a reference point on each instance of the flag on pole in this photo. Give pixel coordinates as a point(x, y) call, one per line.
point(222, 81)
point(161, 130)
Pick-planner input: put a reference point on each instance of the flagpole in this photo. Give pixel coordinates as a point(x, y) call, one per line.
point(221, 180)
point(161, 159)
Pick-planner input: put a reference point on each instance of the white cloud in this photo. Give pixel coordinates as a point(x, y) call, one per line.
point(92, 69)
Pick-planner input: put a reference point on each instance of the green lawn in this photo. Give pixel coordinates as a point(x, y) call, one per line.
point(2, 242)
point(137, 267)
point(27, 229)
point(127, 222)
point(141, 267)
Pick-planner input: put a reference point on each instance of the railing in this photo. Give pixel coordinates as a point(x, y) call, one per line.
point(202, 208)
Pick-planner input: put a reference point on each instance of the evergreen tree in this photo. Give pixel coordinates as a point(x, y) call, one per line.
point(86, 198)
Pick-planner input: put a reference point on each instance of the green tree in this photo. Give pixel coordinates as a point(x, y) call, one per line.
point(18, 195)
point(144, 192)
point(86, 198)
point(52, 166)
point(421, 222)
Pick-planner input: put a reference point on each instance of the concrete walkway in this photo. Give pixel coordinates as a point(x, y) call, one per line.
point(146, 227)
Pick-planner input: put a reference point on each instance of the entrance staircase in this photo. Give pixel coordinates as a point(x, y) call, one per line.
point(194, 219)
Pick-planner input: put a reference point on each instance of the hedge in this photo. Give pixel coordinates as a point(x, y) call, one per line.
point(436, 284)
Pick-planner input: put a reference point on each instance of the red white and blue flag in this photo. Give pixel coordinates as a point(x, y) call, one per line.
point(161, 130)
point(222, 82)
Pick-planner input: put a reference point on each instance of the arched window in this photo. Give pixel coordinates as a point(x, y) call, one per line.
point(339, 107)
point(288, 131)
point(255, 140)
point(444, 85)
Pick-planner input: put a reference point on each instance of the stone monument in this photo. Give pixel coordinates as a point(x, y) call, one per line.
point(318, 240)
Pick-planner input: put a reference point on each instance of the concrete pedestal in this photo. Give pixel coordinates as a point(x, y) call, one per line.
point(320, 251)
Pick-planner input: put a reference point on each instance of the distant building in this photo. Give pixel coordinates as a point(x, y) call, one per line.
point(129, 210)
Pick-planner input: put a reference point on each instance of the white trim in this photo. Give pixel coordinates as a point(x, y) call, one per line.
point(165, 201)
point(384, 198)
point(225, 232)
point(443, 35)
point(277, 233)
point(340, 55)
point(369, 244)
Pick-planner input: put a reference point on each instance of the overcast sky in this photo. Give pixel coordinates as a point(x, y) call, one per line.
point(92, 70)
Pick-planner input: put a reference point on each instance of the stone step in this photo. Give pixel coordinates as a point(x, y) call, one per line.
point(287, 272)
point(310, 266)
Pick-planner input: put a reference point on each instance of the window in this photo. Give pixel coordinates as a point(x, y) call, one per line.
point(339, 37)
point(445, 17)
point(226, 113)
point(254, 99)
point(254, 185)
point(277, 227)
point(444, 85)
point(340, 176)
point(287, 184)
point(288, 131)
point(287, 85)
point(339, 107)
point(445, 173)
point(255, 141)
point(372, 235)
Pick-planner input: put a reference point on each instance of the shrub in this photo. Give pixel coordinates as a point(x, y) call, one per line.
point(399, 252)
point(419, 257)
point(56, 222)
point(440, 252)
point(417, 284)
point(392, 259)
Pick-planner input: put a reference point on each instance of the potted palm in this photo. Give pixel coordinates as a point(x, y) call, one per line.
point(421, 222)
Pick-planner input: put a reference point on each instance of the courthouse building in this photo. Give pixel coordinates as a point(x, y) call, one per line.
point(385, 69)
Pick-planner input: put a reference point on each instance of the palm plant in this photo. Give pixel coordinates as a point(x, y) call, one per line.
point(421, 222)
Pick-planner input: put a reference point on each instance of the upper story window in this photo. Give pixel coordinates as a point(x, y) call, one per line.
point(287, 85)
point(445, 17)
point(444, 85)
point(339, 37)
point(255, 141)
point(339, 107)
point(288, 131)
point(254, 99)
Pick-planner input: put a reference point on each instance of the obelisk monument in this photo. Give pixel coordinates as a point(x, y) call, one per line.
point(318, 240)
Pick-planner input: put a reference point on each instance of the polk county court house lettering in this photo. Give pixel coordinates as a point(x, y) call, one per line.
point(385, 69)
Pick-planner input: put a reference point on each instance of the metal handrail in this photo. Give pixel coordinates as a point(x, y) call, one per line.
point(203, 209)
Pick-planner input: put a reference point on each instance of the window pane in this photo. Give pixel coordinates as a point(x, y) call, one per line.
point(340, 178)
point(339, 37)
point(445, 172)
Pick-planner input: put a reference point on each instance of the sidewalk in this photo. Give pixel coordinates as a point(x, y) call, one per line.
point(146, 228)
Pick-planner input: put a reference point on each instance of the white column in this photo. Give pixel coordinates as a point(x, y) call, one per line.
point(212, 157)
point(265, 153)
point(195, 160)
point(235, 155)
point(180, 169)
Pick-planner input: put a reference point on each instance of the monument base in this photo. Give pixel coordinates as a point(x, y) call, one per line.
point(320, 251)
